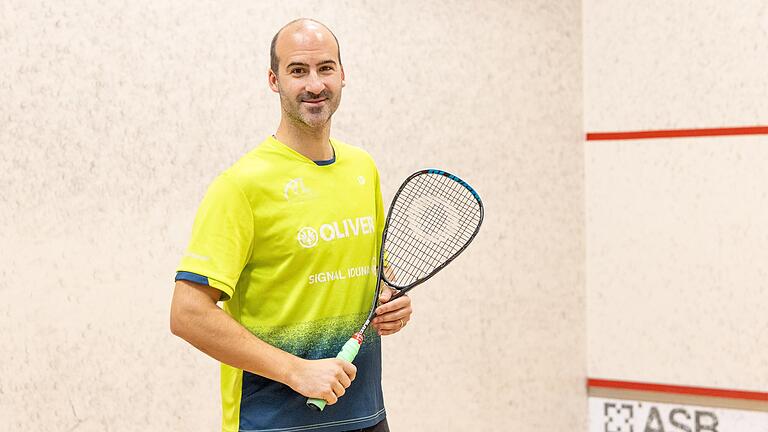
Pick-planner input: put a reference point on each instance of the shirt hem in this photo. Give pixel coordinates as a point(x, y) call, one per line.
point(336, 426)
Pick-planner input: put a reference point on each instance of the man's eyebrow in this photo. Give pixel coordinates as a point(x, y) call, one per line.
point(324, 62)
point(292, 64)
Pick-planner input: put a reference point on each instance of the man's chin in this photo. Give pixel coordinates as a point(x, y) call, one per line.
point(315, 121)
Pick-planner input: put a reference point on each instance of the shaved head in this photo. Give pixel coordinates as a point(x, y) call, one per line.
point(274, 62)
point(307, 74)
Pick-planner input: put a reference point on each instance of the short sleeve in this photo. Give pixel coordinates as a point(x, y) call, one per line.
point(222, 237)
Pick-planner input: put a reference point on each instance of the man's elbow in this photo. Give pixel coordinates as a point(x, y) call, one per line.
point(179, 320)
point(191, 302)
point(176, 327)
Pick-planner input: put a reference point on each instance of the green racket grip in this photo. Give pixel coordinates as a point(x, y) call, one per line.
point(348, 352)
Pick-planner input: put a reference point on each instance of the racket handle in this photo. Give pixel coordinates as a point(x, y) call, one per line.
point(348, 353)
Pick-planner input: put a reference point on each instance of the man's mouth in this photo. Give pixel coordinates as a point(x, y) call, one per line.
point(316, 101)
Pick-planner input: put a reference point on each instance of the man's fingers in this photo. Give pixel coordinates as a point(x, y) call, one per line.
point(338, 389)
point(399, 303)
point(330, 397)
point(400, 314)
point(394, 311)
point(350, 370)
point(344, 380)
point(390, 326)
point(385, 294)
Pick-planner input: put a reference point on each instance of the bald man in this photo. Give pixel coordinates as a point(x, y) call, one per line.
point(287, 239)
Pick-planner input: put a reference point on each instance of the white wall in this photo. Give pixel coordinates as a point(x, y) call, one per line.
point(677, 229)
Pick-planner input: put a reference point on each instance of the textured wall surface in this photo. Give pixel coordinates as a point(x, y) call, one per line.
point(674, 64)
point(677, 239)
point(116, 115)
point(677, 229)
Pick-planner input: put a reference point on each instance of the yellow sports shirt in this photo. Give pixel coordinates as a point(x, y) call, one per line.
point(293, 245)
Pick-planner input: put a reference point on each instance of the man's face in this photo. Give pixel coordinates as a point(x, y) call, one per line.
point(310, 78)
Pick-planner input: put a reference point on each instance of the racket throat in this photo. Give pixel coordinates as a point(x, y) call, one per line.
point(358, 337)
point(362, 330)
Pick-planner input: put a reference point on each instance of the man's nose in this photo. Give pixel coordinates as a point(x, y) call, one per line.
point(314, 84)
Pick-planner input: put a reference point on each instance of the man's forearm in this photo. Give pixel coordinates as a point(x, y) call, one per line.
point(213, 331)
point(196, 318)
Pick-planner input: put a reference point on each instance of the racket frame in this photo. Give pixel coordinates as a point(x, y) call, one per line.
point(350, 349)
point(402, 290)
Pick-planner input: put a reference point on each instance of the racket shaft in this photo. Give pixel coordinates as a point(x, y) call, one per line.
point(348, 352)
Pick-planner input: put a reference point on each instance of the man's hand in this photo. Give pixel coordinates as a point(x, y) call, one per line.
point(325, 379)
point(392, 317)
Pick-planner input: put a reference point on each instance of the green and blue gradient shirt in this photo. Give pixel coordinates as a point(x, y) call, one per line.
point(292, 245)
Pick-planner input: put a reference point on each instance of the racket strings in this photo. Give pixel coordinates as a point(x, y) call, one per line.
point(418, 259)
point(432, 219)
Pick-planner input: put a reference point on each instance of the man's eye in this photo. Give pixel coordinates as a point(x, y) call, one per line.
point(326, 68)
point(297, 71)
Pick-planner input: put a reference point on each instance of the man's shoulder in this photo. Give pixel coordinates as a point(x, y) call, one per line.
point(248, 172)
point(256, 162)
point(351, 151)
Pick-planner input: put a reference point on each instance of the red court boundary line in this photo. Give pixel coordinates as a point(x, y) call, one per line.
point(677, 133)
point(666, 388)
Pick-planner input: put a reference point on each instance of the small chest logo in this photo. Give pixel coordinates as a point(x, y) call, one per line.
point(294, 187)
point(307, 237)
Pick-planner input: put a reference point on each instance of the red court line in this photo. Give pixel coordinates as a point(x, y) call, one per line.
point(666, 388)
point(677, 133)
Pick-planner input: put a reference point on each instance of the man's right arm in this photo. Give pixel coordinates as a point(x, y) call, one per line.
point(196, 318)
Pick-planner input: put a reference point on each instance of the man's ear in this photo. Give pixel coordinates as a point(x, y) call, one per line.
point(343, 82)
point(272, 80)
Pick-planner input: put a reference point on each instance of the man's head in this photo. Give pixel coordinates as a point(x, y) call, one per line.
point(306, 71)
point(274, 60)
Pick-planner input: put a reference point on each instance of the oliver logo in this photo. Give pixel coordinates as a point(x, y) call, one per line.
point(308, 237)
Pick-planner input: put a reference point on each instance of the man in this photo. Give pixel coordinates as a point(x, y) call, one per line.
point(287, 238)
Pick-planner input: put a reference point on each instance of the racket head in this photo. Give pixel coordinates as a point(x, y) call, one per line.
point(433, 217)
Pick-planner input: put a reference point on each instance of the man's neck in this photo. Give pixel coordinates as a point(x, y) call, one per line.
point(314, 143)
